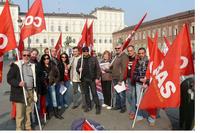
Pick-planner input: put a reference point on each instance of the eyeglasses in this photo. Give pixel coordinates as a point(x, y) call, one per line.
point(46, 58)
point(63, 57)
point(117, 48)
point(140, 53)
point(26, 55)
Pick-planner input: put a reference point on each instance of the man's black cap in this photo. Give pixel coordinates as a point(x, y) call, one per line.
point(85, 49)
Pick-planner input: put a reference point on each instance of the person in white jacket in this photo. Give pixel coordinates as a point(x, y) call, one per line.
point(75, 78)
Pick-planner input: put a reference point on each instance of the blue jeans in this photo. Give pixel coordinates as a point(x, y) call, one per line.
point(52, 92)
point(131, 96)
point(63, 99)
point(120, 97)
point(141, 113)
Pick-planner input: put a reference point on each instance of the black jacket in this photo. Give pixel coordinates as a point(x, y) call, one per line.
point(93, 69)
point(13, 78)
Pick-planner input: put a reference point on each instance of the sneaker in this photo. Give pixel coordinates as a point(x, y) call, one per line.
point(123, 110)
point(59, 107)
point(73, 107)
point(66, 106)
point(104, 105)
point(116, 108)
point(109, 107)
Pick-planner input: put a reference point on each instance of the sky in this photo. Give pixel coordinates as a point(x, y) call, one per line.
point(134, 9)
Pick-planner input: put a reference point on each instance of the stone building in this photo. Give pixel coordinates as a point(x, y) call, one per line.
point(168, 26)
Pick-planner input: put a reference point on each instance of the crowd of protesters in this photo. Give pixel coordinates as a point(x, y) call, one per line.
point(52, 72)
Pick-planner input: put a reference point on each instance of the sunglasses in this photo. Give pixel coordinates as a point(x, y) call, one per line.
point(63, 57)
point(117, 48)
point(26, 55)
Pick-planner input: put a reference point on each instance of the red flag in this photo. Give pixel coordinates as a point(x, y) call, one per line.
point(20, 47)
point(1, 67)
point(34, 21)
point(187, 65)
point(155, 56)
point(58, 46)
point(83, 37)
point(129, 38)
point(90, 40)
point(167, 42)
point(164, 90)
point(7, 36)
point(87, 126)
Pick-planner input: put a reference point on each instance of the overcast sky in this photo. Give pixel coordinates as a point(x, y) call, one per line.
point(134, 9)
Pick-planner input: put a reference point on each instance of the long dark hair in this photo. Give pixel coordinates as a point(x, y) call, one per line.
point(67, 58)
point(43, 58)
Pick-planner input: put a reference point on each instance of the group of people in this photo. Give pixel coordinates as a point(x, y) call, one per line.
point(81, 74)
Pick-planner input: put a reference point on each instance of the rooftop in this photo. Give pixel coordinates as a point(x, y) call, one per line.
point(81, 15)
point(169, 18)
point(107, 8)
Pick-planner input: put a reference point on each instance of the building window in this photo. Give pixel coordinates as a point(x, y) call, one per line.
point(140, 35)
point(37, 40)
point(170, 31)
point(52, 42)
point(105, 41)
point(66, 28)
point(52, 28)
point(136, 36)
point(100, 40)
point(192, 29)
point(59, 28)
point(159, 32)
point(110, 40)
point(94, 40)
point(45, 41)
point(144, 35)
point(175, 30)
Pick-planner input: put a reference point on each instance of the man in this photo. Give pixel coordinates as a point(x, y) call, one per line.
point(76, 79)
point(29, 83)
point(90, 71)
point(141, 82)
point(130, 93)
point(119, 72)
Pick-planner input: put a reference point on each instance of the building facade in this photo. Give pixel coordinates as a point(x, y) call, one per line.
point(168, 26)
point(106, 21)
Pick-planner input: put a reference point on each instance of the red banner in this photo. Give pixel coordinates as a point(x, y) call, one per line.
point(34, 22)
point(7, 36)
point(58, 46)
point(83, 37)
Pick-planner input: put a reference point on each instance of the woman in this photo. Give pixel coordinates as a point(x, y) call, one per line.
point(43, 73)
point(106, 79)
point(64, 79)
point(45, 78)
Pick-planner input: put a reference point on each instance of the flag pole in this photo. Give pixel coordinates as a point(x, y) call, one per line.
point(20, 70)
point(81, 65)
point(37, 116)
point(141, 93)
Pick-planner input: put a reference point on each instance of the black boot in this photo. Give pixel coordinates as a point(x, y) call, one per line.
point(56, 114)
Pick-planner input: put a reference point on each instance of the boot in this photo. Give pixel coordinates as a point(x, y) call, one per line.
point(56, 114)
